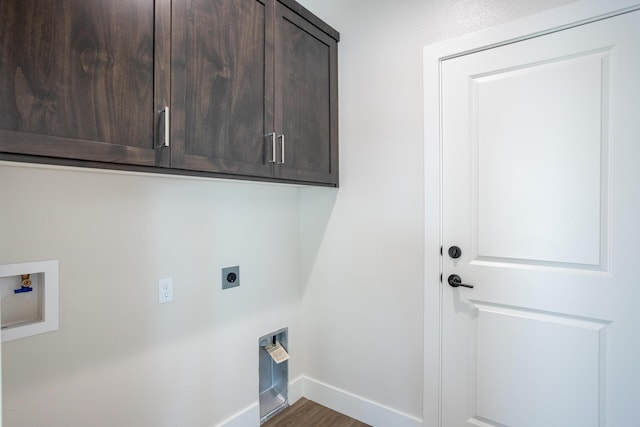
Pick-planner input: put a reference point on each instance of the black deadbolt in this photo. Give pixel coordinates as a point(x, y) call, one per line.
point(231, 277)
point(455, 252)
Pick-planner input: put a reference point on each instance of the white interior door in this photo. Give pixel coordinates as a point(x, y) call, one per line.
point(541, 193)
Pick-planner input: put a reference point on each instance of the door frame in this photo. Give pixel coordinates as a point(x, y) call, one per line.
point(564, 17)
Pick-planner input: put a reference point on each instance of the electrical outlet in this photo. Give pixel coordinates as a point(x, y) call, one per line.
point(165, 290)
point(230, 277)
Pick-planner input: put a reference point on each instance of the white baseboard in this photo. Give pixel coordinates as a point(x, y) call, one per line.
point(339, 400)
point(356, 407)
point(296, 389)
point(248, 417)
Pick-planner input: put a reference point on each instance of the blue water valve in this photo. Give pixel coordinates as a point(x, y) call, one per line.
point(25, 285)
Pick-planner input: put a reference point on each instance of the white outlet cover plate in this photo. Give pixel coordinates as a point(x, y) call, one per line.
point(165, 290)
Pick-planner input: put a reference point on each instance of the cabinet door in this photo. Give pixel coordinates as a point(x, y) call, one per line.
point(221, 66)
point(77, 79)
point(306, 99)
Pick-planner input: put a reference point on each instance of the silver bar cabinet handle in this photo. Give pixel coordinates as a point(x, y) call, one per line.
point(167, 126)
point(273, 148)
point(281, 138)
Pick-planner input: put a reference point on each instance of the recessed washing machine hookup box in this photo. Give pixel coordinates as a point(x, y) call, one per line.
point(274, 373)
point(28, 299)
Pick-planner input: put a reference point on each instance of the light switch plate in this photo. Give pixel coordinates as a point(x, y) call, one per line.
point(230, 277)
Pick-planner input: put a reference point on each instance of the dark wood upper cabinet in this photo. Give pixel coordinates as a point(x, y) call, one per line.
point(247, 69)
point(220, 72)
point(306, 98)
point(85, 81)
point(77, 80)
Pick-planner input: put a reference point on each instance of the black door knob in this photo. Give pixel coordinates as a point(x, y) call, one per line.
point(455, 281)
point(455, 252)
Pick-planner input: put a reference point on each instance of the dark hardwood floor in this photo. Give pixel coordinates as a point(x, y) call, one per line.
point(305, 413)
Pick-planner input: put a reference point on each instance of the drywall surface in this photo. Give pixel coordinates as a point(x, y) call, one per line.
point(363, 300)
point(119, 357)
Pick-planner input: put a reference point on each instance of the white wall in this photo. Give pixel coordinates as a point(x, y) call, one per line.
point(363, 302)
point(343, 269)
point(119, 357)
